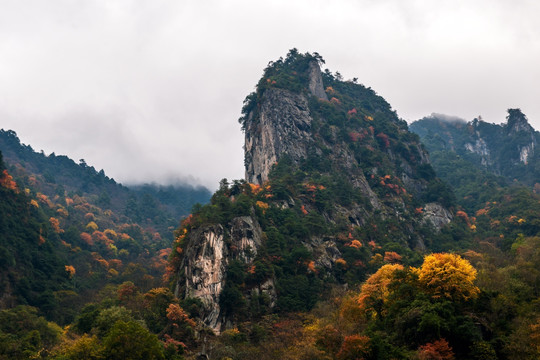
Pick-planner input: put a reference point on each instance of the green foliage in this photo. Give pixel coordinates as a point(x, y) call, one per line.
point(130, 340)
point(24, 334)
point(31, 269)
point(107, 318)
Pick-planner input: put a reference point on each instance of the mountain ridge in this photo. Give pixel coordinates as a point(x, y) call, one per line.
point(508, 149)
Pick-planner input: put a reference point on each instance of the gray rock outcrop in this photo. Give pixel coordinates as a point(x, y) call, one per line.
point(316, 86)
point(209, 251)
point(283, 127)
point(437, 215)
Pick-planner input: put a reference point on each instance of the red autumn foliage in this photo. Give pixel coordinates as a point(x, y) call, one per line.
point(311, 266)
point(384, 139)
point(335, 101)
point(87, 238)
point(70, 270)
point(126, 291)
point(354, 244)
point(187, 221)
point(7, 181)
point(392, 257)
point(373, 245)
point(169, 341)
point(177, 315)
point(355, 136)
point(100, 260)
point(354, 347)
point(437, 350)
point(463, 215)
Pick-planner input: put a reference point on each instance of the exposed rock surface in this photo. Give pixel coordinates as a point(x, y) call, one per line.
point(316, 86)
point(206, 260)
point(283, 127)
point(437, 215)
point(480, 147)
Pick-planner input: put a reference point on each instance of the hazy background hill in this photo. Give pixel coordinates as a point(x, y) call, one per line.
point(156, 205)
point(509, 149)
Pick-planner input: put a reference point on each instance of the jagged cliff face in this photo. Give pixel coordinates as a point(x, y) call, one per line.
point(332, 177)
point(518, 127)
point(508, 149)
point(282, 126)
point(211, 250)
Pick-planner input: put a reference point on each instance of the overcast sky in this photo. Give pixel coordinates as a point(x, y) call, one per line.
point(152, 90)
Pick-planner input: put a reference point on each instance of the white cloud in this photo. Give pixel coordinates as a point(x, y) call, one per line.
point(149, 90)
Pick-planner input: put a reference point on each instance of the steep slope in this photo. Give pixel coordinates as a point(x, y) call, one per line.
point(30, 267)
point(508, 150)
point(335, 185)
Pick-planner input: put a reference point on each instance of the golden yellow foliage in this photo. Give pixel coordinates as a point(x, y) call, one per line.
point(375, 292)
point(91, 226)
point(262, 205)
point(355, 244)
point(62, 212)
point(255, 189)
point(110, 233)
point(448, 275)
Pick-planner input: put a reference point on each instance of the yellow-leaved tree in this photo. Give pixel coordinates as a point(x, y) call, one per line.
point(375, 291)
point(448, 276)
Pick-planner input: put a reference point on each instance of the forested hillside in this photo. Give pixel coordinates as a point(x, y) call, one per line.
point(69, 235)
point(349, 238)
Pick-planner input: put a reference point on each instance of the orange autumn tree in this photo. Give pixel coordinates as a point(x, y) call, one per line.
point(6, 180)
point(375, 290)
point(354, 347)
point(449, 276)
point(437, 350)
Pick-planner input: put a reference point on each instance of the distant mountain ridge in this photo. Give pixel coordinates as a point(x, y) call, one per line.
point(55, 174)
point(509, 149)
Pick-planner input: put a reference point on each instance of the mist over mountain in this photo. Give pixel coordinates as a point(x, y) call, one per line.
point(351, 237)
point(55, 174)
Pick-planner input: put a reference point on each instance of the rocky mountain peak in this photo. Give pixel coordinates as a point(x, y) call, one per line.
point(517, 122)
point(333, 176)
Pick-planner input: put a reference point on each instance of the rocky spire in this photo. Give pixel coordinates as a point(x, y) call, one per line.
point(517, 122)
point(316, 86)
